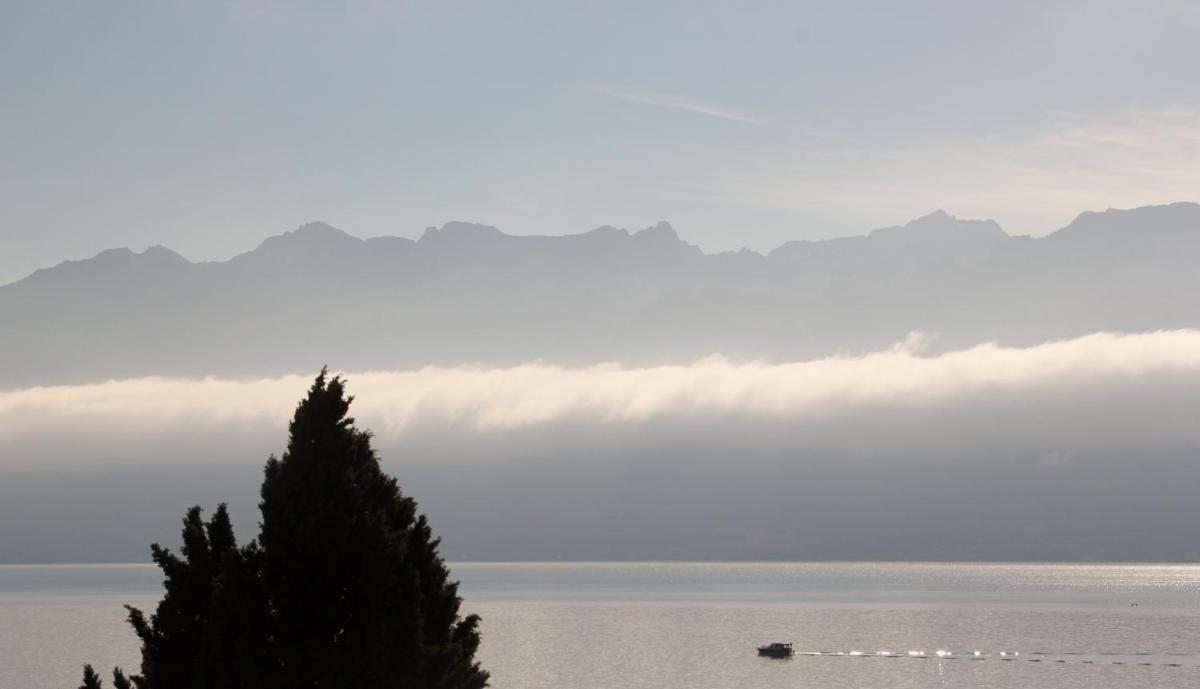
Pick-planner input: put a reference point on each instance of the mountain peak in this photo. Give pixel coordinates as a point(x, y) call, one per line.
point(162, 254)
point(938, 218)
point(458, 232)
point(940, 226)
point(318, 236)
point(317, 229)
point(938, 215)
point(153, 255)
point(660, 233)
point(662, 239)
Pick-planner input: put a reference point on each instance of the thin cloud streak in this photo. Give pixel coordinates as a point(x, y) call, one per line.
point(1031, 183)
point(663, 100)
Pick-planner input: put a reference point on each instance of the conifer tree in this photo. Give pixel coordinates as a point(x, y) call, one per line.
point(359, 593)
point(344, 587)
point(90, 679)
point(182, 644)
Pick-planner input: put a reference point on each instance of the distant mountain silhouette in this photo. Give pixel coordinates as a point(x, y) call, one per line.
point(470, 293)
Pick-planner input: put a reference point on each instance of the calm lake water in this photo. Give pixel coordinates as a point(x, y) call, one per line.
point(695, 625)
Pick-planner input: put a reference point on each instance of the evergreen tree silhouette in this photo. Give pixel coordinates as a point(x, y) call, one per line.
point(90, 679)
point(344, 586)
point(359, 595)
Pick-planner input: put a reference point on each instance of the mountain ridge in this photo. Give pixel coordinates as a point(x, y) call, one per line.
point(470, 293)
point(937, 226)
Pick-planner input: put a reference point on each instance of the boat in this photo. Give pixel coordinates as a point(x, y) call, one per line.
point(776, 650)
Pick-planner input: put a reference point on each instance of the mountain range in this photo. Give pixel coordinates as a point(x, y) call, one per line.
point(1083, 450)
point(471, 293)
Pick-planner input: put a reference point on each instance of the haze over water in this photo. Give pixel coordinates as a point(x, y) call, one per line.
point(697, 624)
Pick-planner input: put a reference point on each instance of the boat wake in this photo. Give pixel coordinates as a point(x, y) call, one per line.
point(1137, 658)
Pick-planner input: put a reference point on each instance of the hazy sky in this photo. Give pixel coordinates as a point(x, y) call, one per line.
point(206, 126)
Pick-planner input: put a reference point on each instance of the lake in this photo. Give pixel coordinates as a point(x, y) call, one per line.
point(696, 625)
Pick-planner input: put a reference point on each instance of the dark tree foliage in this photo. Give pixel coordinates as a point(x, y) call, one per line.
point(90, 679)
point(343, 588)
point(358, 593)
point(210, 606)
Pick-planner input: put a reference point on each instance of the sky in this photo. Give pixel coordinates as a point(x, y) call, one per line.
point(208, 126)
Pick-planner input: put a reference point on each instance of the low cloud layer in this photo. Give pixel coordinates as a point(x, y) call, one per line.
point(1080, 449)
point(1101, 391)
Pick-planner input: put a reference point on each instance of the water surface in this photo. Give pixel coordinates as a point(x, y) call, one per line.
point(696, 624)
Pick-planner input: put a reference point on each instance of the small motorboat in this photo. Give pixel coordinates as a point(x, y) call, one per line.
point(776, 650)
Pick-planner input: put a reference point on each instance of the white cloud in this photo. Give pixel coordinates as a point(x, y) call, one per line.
point(1099, 391)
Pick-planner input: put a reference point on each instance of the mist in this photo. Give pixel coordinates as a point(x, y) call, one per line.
point(726, 459)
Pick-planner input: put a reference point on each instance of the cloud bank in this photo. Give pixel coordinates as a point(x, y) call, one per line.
point(1099, 391)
